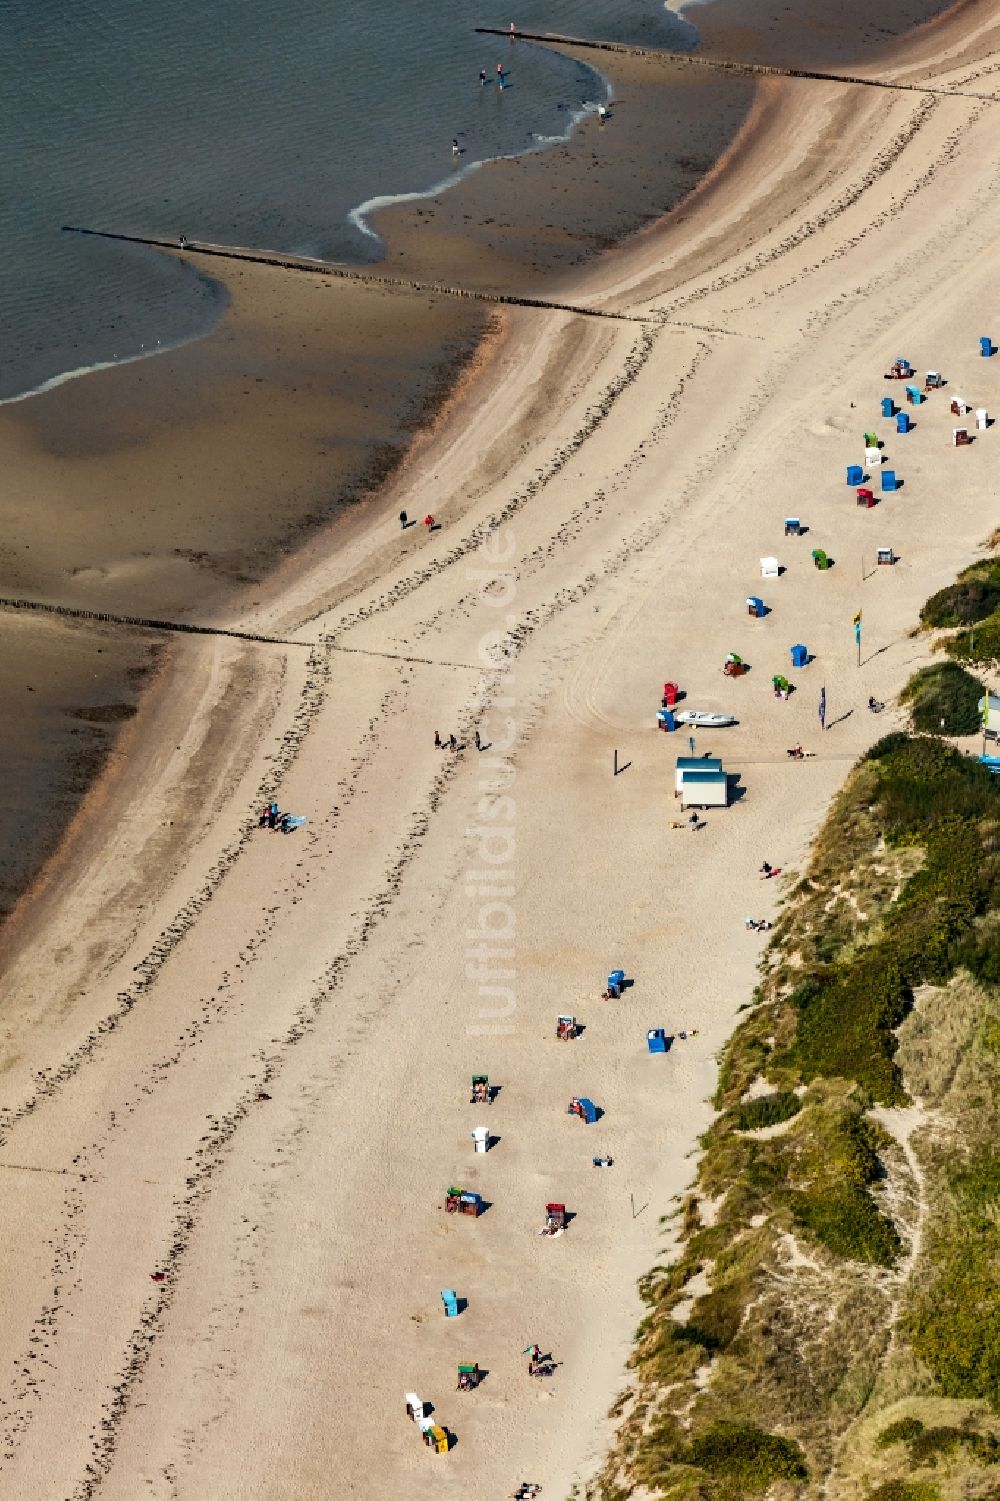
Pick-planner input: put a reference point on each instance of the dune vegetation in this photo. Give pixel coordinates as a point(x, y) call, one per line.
point(827, 1320)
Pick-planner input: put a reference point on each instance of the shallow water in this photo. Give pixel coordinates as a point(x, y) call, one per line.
point(261, 123)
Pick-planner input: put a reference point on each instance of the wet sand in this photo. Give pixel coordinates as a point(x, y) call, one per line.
point(820, 36)
point(523, 224)
point(67, 688)
point(188, 486)
point(169, 488)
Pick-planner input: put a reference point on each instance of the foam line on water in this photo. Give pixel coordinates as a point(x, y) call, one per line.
point(54, 381)
point(359, 217)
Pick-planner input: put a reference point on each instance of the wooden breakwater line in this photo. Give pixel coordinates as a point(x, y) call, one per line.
point(344, 273)
point(557, 39)
point(139, 622)
point(183, 627)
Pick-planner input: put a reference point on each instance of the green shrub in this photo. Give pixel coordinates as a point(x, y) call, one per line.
point(979, 644)
point(846, 1026)
point(982, 959)
point(715, 1318)
point(746, 1455)
point(890, 743)
point(899, 1432)
point(977, 1189)
point(973, 596)
point(944, 698)
point(766, 1110)
point(847, 1222)
point(933, 1443)
point(903, 1490)
point(953, 1325)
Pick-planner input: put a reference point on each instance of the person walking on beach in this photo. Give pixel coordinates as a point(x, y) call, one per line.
point(437, 740)
point(452, 743)
point(402, 521)
point(478, 741)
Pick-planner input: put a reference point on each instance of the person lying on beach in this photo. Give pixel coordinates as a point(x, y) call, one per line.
point(602, 1161)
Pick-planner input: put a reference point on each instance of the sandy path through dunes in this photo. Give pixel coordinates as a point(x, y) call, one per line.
point(594, 542)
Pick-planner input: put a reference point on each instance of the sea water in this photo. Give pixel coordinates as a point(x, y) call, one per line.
point(263, 123)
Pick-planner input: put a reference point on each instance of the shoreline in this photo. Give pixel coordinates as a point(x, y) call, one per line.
point(685, 427)
point(362, 213)
point(214, 575)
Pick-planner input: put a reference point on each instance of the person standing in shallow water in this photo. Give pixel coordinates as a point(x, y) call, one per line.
point(482, 78)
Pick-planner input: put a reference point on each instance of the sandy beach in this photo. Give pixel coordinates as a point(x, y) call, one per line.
point(241, 1060)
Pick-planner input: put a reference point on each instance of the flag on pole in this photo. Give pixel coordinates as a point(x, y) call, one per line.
point(857, 628)
point(822, 708)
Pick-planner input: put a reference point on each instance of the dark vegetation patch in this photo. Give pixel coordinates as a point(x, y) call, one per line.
point(973, 597)
point(925, 1446)
point(766, 1110)
point(970, 609)
point(903, 1490)
point(105, 713)
point(944, 699)
point(747, 1456)
point(954, 1322)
